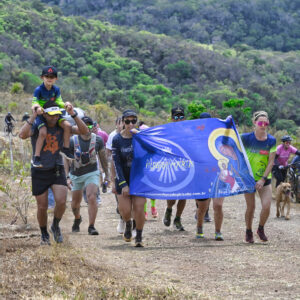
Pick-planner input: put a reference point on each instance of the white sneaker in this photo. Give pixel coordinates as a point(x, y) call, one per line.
point(121, 226)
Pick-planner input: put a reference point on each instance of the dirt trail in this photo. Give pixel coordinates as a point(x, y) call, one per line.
point(171, 259)
point(173, 265)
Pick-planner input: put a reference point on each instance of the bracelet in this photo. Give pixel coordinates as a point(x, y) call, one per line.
point(75, 115)
point(29, 123)
point(264, 178)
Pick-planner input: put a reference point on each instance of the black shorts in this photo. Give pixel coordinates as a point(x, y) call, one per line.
point(43, 179)
point(118, 188)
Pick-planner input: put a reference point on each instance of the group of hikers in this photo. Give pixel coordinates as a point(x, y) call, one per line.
point(69, 151)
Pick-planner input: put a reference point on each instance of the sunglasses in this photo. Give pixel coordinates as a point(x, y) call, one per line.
point(181, 117)
point(133, 121)
point(262, 123)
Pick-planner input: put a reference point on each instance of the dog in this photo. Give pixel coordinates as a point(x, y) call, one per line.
point(283, 197)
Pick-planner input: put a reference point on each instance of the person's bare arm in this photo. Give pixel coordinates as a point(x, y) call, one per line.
point(81, 128)
point(104, 163)
point(26, 131)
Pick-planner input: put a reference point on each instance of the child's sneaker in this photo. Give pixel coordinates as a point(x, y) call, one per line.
point(37, 162)
point(146, 216)
point(154, 212)
point(67, 153)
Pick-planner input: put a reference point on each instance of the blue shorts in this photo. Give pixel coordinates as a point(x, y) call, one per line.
point(81, 182)
point(40, 121)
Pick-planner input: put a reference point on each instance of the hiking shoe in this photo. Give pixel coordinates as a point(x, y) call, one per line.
point(92, 230)
point(261, 235)
point(154, 212)
point(121, 226)
point(57, 236)
point(199, 233)
point(249, 237)
point(67, 153)
point(219, 236)
point(177, 224)
point(75, 227)
point(146, 216)
point(139, 242)
point(167, 217)
point(36, 162)
point(45, 239)
point(127, 236)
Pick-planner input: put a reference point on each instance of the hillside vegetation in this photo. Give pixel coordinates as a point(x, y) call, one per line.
point(273, 24)
point(99, 62)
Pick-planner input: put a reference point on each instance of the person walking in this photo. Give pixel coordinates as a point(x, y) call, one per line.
point(52, 173)
point(261, 150)
point(83, 173)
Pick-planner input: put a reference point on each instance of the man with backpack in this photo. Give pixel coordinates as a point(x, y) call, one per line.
point(83, 173)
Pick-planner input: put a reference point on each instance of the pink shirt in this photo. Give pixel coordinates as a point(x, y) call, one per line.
point(104, 135)
point(284, 154)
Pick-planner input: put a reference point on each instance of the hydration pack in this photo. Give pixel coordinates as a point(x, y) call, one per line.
point(83, 159)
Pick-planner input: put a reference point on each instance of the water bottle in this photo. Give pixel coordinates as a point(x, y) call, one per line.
point(104, 186)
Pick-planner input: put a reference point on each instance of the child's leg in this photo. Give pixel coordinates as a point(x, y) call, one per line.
point(66, 126)
point(40, 141)
point(145, 206)
point(152, 202)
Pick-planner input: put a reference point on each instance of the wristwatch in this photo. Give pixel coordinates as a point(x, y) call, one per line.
point(75, 115)
point(264, 178)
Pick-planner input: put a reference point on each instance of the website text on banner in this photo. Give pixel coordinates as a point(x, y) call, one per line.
point(201, 158)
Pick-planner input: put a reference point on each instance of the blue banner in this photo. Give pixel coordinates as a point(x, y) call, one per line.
point(195, 159)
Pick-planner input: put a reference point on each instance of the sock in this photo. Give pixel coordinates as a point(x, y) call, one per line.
point(176, 218)
point(128, 224)
point(145, 206)
point(152, 202)
point(91, 225)
point(139, 233)
point(248, 230)
point(200, 229)
point(56, 222)
point(169, 209)
point(44, 230)
point(260, 227)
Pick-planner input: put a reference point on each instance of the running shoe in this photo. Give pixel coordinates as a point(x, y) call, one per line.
point(219, 236)
point(75, 227)
point(146, 216)
point(177, 224)
point(154, 212)
point(167, 217)
point(127, 236)
point(57, 236)
point(261, 235)
point(67, 153)
point(121, 226)
point(249, 237)
point(199, 233)
point(92, 230)
point(139, 242)
point(36, 162)
point(45, 239)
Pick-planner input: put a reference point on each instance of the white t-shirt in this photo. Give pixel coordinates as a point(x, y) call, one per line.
point(110, 138)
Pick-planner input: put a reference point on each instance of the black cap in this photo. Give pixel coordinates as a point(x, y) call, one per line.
point(177, 110)
point(205, 115)
point(49, 70)
point(129, 113)
point(87, 120)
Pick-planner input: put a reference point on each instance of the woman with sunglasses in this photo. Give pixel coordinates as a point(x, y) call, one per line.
point(122, 153)
point(260, 148)
point(283, 153)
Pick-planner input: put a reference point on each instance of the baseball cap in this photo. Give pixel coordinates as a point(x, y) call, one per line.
point(129, 113)
point(51, 108)
point(205, 115)
point(49, 70)
point(177, 110)
point(87, 120)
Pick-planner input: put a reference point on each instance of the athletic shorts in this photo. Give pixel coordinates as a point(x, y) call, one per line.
point(81, 182)
point(118, 188)
point(40, 121)
point(42, 180)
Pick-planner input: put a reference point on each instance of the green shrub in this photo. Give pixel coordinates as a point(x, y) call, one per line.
point(30, 81)
point(17, 88)
point(289, 125)
point(12, 106)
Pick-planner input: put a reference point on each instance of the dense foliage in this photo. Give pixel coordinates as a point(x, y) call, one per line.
point(273, 24)
point(99, 62)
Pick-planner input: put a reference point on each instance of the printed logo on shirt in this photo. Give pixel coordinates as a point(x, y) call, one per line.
point(263, 152)
point(51, 143)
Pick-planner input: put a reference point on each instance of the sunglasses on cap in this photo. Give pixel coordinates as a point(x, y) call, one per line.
point(133, 121)
point(181, 117)
point(262, 123)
